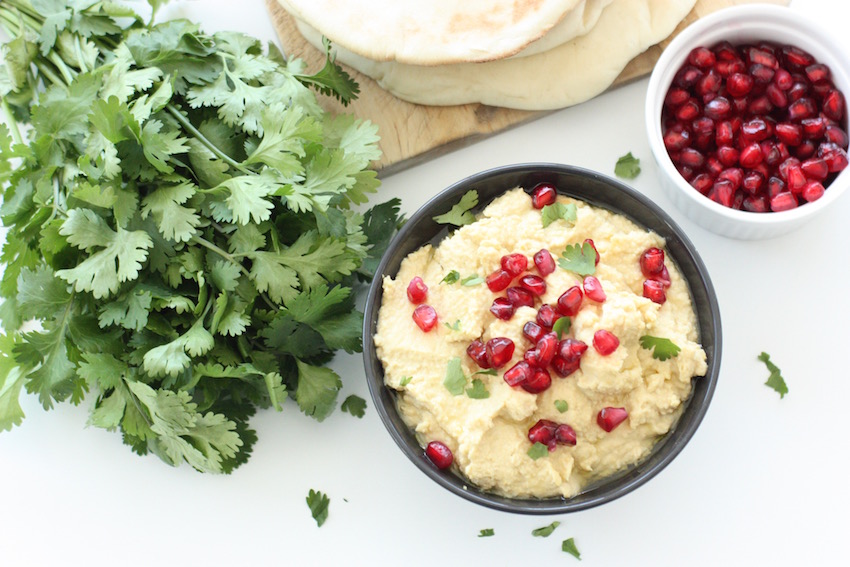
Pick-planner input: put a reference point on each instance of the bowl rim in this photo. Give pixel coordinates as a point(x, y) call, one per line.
point(384, 399)
point(744, 17)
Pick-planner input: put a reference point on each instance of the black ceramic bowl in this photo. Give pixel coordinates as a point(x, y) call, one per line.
point(597, 190)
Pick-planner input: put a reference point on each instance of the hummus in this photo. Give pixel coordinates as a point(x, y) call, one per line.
point(489, 435)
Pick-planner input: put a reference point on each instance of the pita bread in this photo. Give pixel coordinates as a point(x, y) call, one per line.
point(565, 75)
point(431, 32)
point(576, 23)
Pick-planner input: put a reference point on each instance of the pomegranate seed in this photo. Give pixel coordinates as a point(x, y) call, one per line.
point(834, 105)
point(542, 432)
point(546, 316)
point(815, 168)
point(543, 352)
point(834, 156)
point(797, 91)
point(499, 351)
point(751, 155)
point(691, 158)
point(544, 262)
point(571, 349)
point(761, 56)
point(771, 152)
point(514, 264)
point(801, 108)
point(724, 133)
point(782, 79)
point(654, 291)
point(718, 108)
point(565, 435)
point(783, 167)
point(753, 182)
point(760, 105)
point(478, 352)
point(687, 77)
point(754, 130)
point(722, 192)
point(518, 373)
point(519, 297)
point(812, 191)
point(728, 68)
point(728, 155)
point(498, 281)
point(417, 291)
point(605, 342)
point(652, 261)
point(702, 182)
point(756, 204)
point(836, 135)
point(702, 57)
point(688, 111)
point(805, 150)
point(796, 58)
point(783, 202)
point(738, 201)
point(593, 289)
point(676, 97)
point(791, 134)
point(822, 89)
point(817, 72)
point(543, 194)
point(533, 284)
point(425, 317)
point(814, 128)
point(708, 85)
point(609, 418)
point(734, 175)
point(439, 454)
point(675, 141)
point(775, 186)
point(739, 85)
point(533, 331)
point(663, 277)
point(570, 301)
point(713, 166)
point(795, 178)
point(776, 96)
point(761, 74)
point(564, 367)
point(539, 381)
point(502, 308)
point(725, 51)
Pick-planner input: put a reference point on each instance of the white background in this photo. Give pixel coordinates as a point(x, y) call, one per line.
point(764, 480)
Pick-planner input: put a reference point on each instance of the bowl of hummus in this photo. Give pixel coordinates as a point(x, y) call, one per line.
point(540, 338)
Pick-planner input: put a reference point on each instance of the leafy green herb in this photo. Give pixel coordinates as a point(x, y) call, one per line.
point(538, 450)
point(546, 531)
point(561, 405)
point(454, 326)
point(569, 546)
point(472, 280)
point(627, 167)
point(332, 80)
point(455, 381)
point(405, 381)
point(355, 405)
point(775, 380)
point(558, 211)
point(488, 372)
point(478, 391)
point(451, 277)
point(318, 503)
point(487, 532)
point(662, 348)
point(561, 326)
point(579, 259)
point(460, 213)
point(182, 225)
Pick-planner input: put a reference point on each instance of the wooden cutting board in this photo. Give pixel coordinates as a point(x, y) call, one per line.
point(413, 133)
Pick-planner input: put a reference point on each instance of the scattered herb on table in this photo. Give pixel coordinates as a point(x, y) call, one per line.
point(487, 532)
point(627, 166)
point(579, 259)
point(661, 348)
point(569, 546)
point(318, 503)
point(538, 450)
point(478, 391)
point(546, 531)
point(180, 227)
point(558, 211)
point(461, 212)
point(775, 380)
point(355, 405)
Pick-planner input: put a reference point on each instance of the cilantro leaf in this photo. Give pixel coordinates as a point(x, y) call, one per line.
point(318, 503)
point(461, 212)
point(405, 381)
point(455, 381)
point(558, 211)
point(332, 80)
point(11, 383)
point(454, 326)
point(775, 379)
point(488, 372)
point(538, 450)
point(317, 390)
point(355, 405)
point(662, 348)
point(561, 406)
point(579, 259)
point(451, 277)
point(627, 166)
point(478, 391)
point(546, 531)
point(487, 532)
point(561, 326)
point(569, 546)
point(472, 280)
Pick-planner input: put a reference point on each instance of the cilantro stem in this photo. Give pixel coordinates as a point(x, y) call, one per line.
point(190, 128)
point(10, 120)
point(210, 246)
point(78, 48)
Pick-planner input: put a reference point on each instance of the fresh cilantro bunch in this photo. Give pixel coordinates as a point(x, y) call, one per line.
point(182, 242)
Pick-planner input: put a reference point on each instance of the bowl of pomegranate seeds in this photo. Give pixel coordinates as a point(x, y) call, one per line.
point(541, 339)
point(747, 119)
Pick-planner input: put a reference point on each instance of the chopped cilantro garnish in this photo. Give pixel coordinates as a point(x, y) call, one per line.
point(478, 391)
point(455, 381)
point(405, 380)
point(546, 531)
point(561, 405)
point(569, 546)
point(318, 503)
point(662, 348)
point(579, 259)
point(355, 405)
point(486, 532)
point(451, 277)
point(454, 326)
point(557, 211)
point(472, 280)
point(561, 326)
point(775, 380)
point(461, 213)
point(538, 450)
point(627, 167)
point(488, 372)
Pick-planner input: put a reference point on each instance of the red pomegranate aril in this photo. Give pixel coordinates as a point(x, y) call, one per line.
point(654, 291)
point(542, 432)
point(514, 264)
point(593, 289)
point(543, 194)
point(756, 204)
point(687, 77)
point(417, 291)
point(520, 297)
point(795, 178)
point(538, 381)
point(782, 79)
point(783, 167)
point(813, 128)
point(571, 349)
point(836, 135)
point(691, 158)
point(753, 182)
point(544, 262)
point(738, 201)
point(815, 168)
point(754, 130)
point(805, 150)
point(797, 91)
point(771, 152)
point(761, 56)
point(702, 182)
point(761, 74)
point(502, 308)
point(834, 105)
point(739, 84)
point(728, 155)
point(677, 140)
point(775, 186)
point(783, 202)
point(543, 352)
point(425, 317)
point(820, 90)
point(713, 166)
point(760, 105)
point(609, 418)
point(725, 51)
point(676, 97)
point(663, 277)
point(722, 192)
point(718, 108)
point(688, 111)
point(570, 301)
point(724, 133)
point(796, 58)
point(533, 331)
point(499, 350)
point(702, 57)
point(801, 108)
point(533, 284)
point(817, 72)
point(751, 155)
point(734, 175)
point(652, 261)
point(478, 353)
point(790, 134)
point(439, 454)
point(708, 85)
point(546, 316)
point(565, 435)
point(812, 191)
point(498, 281)
point(605, 342)
point(517, 374)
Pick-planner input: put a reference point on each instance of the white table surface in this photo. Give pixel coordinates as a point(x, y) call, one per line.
point(763, 481)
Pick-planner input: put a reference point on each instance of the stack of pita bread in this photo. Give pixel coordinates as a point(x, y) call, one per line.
point(523, 54)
